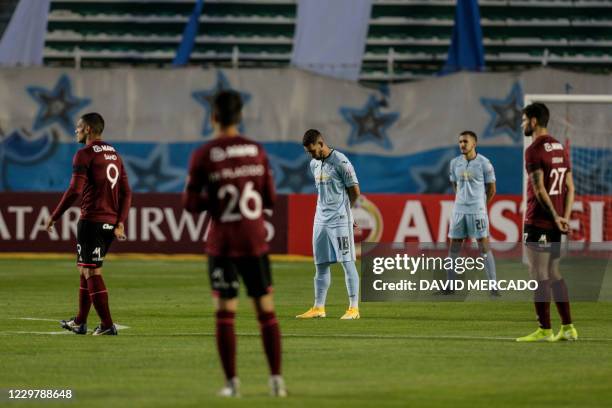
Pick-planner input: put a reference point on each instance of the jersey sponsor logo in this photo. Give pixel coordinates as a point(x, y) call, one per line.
point(218, 154)
point(110, 156)
point(320, 175)
point(549, 147)
point(103, 148)
point(466, 175)
point(108, 226)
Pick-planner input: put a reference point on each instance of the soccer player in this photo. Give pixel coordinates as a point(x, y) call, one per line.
point(229, 177)
point(550, 196)
point(97, 174)
point(332, 240)
point(473, 180)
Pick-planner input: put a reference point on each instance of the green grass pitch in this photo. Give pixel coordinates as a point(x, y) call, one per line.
point(398, 354)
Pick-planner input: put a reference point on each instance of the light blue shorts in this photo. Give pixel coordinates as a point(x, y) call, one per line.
point(333, 244)
point(469, 226)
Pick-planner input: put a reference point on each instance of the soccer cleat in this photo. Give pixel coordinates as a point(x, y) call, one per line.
point(277, 386)
point(538, 335)
point(312, 313)
point(111, 331)
point(495, 293)
point(74, 327)
point(567, 333)
point(231, 389)
point(352, 313)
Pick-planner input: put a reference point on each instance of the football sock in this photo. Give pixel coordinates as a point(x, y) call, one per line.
point(271, 337)
point(490, 266)
point(450, 272)
point(561, 297)
point(99, 298)
point(351, 278)
point(541, 299)
point(226, 342)
point(321, 283)
point(84, 302)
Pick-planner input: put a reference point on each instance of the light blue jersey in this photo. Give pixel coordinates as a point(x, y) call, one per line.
point(471, 177)
point(469, 218)
point(332, 177)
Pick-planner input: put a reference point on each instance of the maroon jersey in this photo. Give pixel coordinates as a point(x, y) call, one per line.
point(235, 177)
point(548, 155)
point(98, 174)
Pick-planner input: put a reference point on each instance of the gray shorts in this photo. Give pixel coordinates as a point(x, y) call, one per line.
point(469, 226)
point(332, 244)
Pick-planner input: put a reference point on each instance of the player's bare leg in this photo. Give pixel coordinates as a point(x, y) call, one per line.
point(78, 324)
point(489, 260)
point(225, 311)
point(561, 298)
point(539, 271)
point(271, 338)
point(99, 297)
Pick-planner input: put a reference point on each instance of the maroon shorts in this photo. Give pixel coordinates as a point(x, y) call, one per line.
point(93, 241)
point(543, 240)
point(254, 270)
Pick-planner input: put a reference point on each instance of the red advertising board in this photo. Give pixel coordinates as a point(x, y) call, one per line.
point(157, 223)
point(425, 218)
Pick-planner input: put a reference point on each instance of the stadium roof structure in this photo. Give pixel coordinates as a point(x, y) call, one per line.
point(407, 39)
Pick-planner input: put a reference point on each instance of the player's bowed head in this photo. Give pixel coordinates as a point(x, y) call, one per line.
point(315, 145)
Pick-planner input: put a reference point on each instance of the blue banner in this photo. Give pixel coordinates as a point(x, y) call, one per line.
point(466, 51)
point(183, 53)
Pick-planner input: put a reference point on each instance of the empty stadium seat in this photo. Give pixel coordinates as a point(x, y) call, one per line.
point(415, 34)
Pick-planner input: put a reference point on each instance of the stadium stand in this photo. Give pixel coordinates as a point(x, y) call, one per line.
point(407, 39)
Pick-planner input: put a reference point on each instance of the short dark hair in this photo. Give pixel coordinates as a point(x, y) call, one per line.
point(539, 111)
point(95, 121)
point(469, 133)
point(310, 137)
point(227, 108)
